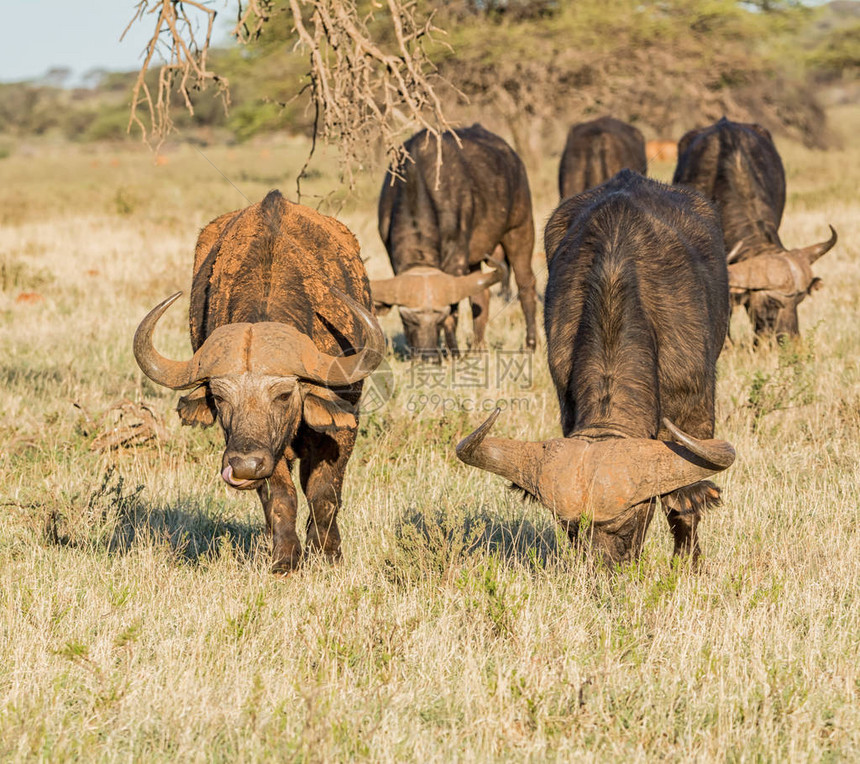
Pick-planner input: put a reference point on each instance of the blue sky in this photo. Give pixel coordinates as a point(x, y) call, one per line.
point(79, 34)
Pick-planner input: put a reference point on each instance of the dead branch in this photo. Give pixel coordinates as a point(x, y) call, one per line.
point(362, 91)
point(184, 50)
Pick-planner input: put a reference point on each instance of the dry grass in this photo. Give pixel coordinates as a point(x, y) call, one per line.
point(137, 616)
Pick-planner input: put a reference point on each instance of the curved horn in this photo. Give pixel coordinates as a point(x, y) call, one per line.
point(393, 291)
point(814, 251)
point(416, 288)
point(735, 251)
point(498, 265)
point(346, 370)
point(461, 287)
point(601, 479)
point(427, 287)
point(720, 453)
point(517, 461)
point(772, 272)
point(161, 370)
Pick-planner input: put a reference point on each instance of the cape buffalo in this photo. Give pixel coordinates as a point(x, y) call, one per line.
point(597, 150)
point(283, 334)
point(738, 167)
point(636, 312)
point(438, 232)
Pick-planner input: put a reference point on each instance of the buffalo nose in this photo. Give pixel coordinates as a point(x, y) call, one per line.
point(247, 466)
point(428, 355)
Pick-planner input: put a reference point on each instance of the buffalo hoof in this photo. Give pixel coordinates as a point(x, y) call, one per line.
point(286, 563)
point(688, 559)
point(324, 549)
point(332, 558)
point(284, 568)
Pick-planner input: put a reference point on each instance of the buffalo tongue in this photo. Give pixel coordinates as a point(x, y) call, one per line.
point(227, 474)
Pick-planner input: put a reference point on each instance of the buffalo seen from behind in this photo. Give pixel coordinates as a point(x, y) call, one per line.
point(283, 335)
point(596, 151)
point(438, 234)
point(738, 167)
point(637, 309)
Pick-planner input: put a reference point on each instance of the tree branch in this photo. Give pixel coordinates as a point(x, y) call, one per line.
point(363, 92)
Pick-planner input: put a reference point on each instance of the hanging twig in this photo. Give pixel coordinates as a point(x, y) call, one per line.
point(363, 92)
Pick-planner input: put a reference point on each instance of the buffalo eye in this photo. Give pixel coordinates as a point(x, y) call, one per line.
point(283, 397)
point(218, 400)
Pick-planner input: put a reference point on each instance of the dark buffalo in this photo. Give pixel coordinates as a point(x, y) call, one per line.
point(283, 334)
point(597, 150)
point(438, 233)
point(637, 307)
point(738, 167)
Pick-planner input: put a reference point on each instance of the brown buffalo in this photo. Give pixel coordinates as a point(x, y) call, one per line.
point(597, 150)
point(283, 335)
point(636, 312)
point(738, 167)
point(438, 234)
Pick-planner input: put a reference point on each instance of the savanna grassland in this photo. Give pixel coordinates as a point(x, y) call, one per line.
point(138, 618)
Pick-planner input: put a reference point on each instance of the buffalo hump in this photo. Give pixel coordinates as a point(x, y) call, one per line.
point(278, 261)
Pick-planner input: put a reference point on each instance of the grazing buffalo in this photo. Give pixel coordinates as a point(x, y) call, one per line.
point(637, 306)
point(738, 167)
point(283, 335)
point(597, 150)
point(439, 229)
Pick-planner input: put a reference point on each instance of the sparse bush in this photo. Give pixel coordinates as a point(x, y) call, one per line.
point(16, 275)
point(102, 520)
point(107, 125)
point(665, 67)
point(789, 386)
point(430, 548)
point(124, 202)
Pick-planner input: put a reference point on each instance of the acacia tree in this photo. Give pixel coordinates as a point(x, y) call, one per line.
point(362, 90)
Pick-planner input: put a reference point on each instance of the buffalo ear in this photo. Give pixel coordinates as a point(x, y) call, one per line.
point(815, 285)
point(196, 408)
point(324, 410)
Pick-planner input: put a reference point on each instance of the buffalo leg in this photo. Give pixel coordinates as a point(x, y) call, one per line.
point(518, 244)
point(684, 507)
point(480, 316)
point(683, 512)
point(500, 256)
point(323, 466)
point(278, 496)
point(685, 532)
point(449, 327)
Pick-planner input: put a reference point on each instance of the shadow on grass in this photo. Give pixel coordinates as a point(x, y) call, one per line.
point(439, 543)
point(193, 533)
point(116, 520)
point(36, 381)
